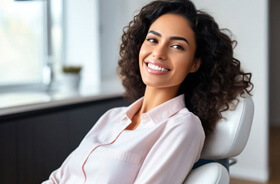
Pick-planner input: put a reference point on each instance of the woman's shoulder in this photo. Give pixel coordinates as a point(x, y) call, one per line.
point(184, 115)
point(186, 121)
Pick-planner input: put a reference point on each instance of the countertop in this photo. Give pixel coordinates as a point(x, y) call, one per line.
point(24, 101)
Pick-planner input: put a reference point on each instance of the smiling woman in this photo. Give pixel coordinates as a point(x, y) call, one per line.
point(178, 68)
point(218, 78)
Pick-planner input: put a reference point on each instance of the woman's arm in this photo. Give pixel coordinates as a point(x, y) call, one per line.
point(173, 155)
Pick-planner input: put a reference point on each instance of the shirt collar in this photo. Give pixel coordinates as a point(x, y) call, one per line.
point(133, 108)
point(169, 108)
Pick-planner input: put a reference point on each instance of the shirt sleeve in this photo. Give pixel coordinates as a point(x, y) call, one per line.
point(174, 154)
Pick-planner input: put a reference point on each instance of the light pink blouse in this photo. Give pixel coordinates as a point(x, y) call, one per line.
point(161, 150)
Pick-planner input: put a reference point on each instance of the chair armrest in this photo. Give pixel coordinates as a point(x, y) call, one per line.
point(212, 173)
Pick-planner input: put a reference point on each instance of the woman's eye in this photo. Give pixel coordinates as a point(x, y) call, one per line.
point(178, 47)
point(152, 40)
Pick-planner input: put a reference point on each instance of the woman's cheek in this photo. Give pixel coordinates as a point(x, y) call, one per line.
point(143, 51)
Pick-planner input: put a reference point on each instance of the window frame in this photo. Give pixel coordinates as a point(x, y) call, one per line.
point(46, 58)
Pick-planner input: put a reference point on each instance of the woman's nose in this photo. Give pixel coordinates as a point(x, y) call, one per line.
point(160, 52)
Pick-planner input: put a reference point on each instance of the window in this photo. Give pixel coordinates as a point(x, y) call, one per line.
point(21, 46)
point(29, 36)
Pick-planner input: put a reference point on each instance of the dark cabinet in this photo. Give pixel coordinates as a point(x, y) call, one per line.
point(8, 153)
point(36, 143)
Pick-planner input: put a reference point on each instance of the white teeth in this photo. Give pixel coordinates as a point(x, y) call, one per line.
point(155, 67)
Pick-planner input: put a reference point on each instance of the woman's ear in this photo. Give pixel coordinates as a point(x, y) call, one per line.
point(196, 65)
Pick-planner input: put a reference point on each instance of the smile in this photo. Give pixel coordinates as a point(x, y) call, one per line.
point(157, 68)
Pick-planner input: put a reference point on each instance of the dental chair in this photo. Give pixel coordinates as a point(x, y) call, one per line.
point(227, 140)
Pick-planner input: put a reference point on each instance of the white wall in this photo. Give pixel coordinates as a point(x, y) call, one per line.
point(111, 24)
point(81, 20)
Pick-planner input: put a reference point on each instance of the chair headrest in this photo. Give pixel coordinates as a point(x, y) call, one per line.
point(232, 132)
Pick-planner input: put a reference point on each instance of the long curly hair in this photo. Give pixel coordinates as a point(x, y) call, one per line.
point(219, 80)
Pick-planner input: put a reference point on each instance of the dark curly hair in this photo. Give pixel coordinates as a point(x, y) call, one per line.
point(219, 79)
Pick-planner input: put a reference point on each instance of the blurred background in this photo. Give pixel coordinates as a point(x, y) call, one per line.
point(61, 55)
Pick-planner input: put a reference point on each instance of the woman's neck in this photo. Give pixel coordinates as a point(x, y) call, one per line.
point(152, 98)
point(156, 96)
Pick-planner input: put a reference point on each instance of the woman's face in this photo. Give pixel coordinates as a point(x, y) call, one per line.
point(167, 54)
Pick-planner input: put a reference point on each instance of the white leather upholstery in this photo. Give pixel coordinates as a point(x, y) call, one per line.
point(231, 134)
point(212, 173)
point(227, 140)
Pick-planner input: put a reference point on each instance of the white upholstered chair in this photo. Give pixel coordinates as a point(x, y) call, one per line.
point(227, 140)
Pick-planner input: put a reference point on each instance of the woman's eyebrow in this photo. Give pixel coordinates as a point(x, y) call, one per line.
point(155, 33)
point(171, 38)
point(179, 38)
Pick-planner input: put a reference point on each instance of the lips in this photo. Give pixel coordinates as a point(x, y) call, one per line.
point(156, 68)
